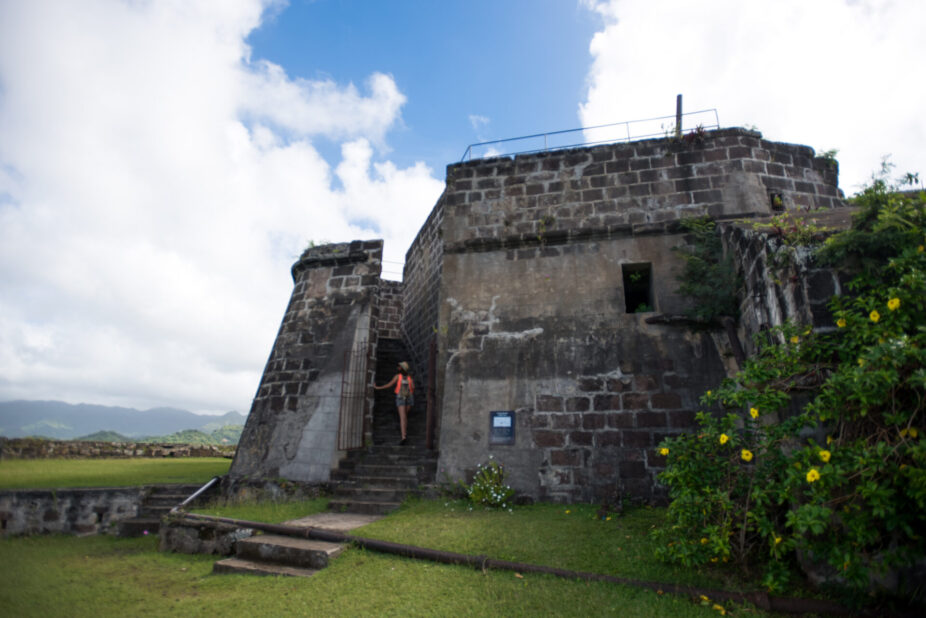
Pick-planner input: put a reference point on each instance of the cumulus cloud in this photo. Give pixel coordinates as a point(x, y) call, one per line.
point(829, 73)
point(156, 183)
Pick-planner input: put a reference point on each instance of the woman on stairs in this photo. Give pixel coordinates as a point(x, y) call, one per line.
point(404, 395)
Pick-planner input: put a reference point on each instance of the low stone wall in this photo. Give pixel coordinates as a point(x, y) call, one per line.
point(32, 448)
point(67, 511)
point(184, 536)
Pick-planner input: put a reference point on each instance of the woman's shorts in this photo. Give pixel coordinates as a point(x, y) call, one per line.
point(405, 401)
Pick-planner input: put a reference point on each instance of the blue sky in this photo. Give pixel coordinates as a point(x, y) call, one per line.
point(518, 64)
point(164, 162)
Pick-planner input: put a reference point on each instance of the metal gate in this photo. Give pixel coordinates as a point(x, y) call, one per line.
point(353, 396)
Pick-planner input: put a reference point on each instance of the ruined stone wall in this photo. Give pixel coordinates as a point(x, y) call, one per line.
point(782, 283)
point(534, 314)
point(291, 431)
point(389, 319)
point(33, 448)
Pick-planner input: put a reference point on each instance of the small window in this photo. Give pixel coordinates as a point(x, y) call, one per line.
point(638, 287)
point(776, 201)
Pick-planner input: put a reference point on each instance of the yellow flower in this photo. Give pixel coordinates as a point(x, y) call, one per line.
point(714, 559)
point(893, 304)
point(608, 518)
point(829, 439)
point(813, 475)
point(841, 322)
point(754, 412)
point(919, 249)
point(703, 540)
point(777, 540)
point(568, 511)
point(861, 362)
point(874, 316)
point(795, 339)
point(724, 438)
point(720, 609)
point(806, 331)
point(913, 432)
point(746, 455)
point(663, 451)
point(708, 393)
point(824, 456)
point(704, 598)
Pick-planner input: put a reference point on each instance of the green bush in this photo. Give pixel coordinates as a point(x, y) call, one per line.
point(818, 454)
point(709, 279)
point(488, 488)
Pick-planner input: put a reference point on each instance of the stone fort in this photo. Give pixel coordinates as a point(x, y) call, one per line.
point(540, 313)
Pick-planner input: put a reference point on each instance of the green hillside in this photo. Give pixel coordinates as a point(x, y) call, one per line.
point(226, 435)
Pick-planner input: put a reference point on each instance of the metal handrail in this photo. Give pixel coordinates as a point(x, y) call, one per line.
point(197, 493)
point(467, 155)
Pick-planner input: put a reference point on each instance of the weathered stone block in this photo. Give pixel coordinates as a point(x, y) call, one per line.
point(621, 420)
point(608, 438)
point(666, 400)
point(548, 439)
point(549, 403)
point(635, 401)
point(651, 419)
point(566, 421)
point(607, 402)
point(577, 404)
point(593, 421)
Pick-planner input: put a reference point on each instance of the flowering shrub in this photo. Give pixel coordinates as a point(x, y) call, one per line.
point(840, 484)
point(488, 487)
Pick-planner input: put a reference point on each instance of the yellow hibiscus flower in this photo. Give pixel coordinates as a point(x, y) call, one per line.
point(893, 304)
point(874, 316)
point(824, 456)
point(724, 438)
point(813, 475)
point(841, 322)
point(746, 454)
point(754, 412)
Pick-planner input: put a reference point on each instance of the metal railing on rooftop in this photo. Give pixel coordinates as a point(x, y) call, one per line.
point(626, 131)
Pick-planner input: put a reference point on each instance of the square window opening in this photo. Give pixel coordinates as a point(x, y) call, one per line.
point(638, 287)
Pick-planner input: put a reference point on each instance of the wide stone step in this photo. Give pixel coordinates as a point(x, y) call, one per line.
point(407, 471)
point(154, 510)
point(384, 482)
point(364, 507)
point(165, 499)
point(138, 526)
point(303, 553)
point(369, 494)
point(249, 567)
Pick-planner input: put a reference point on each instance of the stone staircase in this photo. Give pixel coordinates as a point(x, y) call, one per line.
point(271, 554)
point(157, 503)
point(376, 479)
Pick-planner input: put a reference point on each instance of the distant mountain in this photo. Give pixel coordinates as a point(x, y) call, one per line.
point(65, 421)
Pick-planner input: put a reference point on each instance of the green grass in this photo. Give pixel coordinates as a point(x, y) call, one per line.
point(104, 576)
point(66, 473)
point(267, 512)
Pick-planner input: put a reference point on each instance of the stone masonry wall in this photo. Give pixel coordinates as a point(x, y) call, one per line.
point(389, 323)
point(32, 448)
point(422, 275)
point(291, 431)
point(782, 283)
point(532, 312)
point(643, 185)
point(67, 511)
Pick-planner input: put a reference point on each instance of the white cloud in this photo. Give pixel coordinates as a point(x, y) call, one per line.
point(156, 184)
point(827, 73)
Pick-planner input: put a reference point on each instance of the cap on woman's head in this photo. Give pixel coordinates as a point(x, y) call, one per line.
point(404, 365)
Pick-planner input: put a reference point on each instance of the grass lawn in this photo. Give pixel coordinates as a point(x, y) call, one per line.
point(104, 576)
point(62, 473)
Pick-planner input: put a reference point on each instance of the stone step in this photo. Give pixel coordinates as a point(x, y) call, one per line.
point(289, 551)
point(154, 510)
point(384, 482)
point(248, 567)
point(165, 499)
point(137, 526)
point(407, 471)
point(364, 507)
point(369, 494)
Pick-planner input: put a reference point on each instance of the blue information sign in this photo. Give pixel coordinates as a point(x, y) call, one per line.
point(501, 427)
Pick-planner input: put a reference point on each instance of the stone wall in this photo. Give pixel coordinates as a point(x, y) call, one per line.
point(32, 448)
point(782, 283)
point(389, 322)
point(540, 311)
point(293, 427)
point(422, 275)
point(67, 511)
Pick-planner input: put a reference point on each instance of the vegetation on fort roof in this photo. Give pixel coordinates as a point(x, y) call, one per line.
point(709, 278)
point(817, 456)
